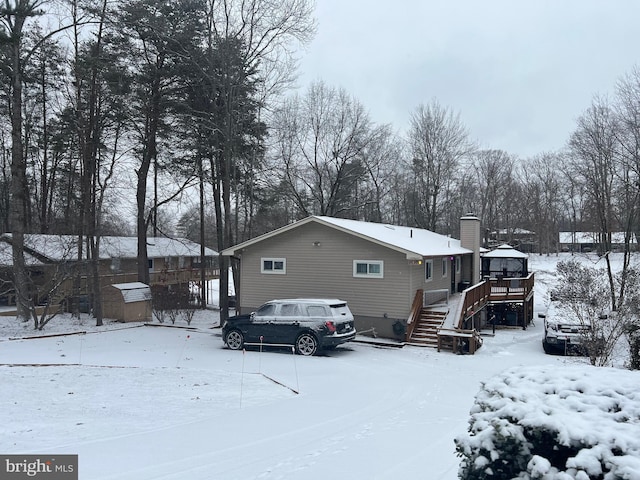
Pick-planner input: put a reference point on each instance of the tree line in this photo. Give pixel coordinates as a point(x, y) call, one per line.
point(194, 100)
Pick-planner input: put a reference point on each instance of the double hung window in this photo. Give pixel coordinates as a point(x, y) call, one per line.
point(273, 265)
point(368, 268)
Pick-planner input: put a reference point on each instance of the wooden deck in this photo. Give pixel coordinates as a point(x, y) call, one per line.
point(448, 332)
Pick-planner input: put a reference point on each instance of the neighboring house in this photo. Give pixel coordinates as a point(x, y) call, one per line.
point(173, 263)
point(380, 270)
point(522, 239)
point(584, 242)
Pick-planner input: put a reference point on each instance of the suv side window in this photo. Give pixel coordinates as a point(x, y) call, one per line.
point(266, 310)
point(317, 311)
point(289, 310)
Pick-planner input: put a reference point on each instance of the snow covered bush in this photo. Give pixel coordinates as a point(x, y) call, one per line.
point(554, 423)
point(584, 292)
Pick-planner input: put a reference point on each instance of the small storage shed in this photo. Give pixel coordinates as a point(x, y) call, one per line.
point(127, 302)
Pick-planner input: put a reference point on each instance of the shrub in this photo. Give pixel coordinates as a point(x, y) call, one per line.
point(554, 423)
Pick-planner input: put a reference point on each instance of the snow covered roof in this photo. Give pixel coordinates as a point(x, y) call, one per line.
point(515, 231)
point(591, 237)
point(505, 251)
point(416, 243)
point(134, 291)
point(64, 247)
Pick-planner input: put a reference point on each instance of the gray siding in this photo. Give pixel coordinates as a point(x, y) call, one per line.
point(327, 271)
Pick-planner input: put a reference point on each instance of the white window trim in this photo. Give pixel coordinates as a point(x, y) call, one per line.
point(458, 265)
point(272, 271)
point(428, 263)
point(445, 267)
point(368, 275)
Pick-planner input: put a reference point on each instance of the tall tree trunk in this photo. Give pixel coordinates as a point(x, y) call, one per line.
point(18, 176)
point(203, 282)
point(148, 155)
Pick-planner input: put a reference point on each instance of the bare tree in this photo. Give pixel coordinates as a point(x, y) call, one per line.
point(320, 139)
point(13, 16)
point(542, 187)
point(595, 149)
point(381, 158)
point(267, 30)
point(494, 170)
point(438, 142)
point(628, 176)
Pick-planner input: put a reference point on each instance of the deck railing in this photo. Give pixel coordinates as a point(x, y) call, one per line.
point(473, 299)
point(414, 313)
point(494, 290)
point(503, 289)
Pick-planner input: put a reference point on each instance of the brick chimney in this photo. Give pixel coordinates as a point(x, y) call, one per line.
point(470, 239)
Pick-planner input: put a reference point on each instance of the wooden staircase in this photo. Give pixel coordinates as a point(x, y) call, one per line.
point(425, 333)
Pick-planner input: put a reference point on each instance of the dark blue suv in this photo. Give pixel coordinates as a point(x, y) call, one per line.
point(308, 324)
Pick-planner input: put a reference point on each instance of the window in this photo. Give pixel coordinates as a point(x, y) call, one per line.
point(274, 265)
point(150, 262)
point(266, 310)
point(317, 311)
point(444, 266)
point(458, 265)
point(368, 268)
point(428, 270)
point(289, 310)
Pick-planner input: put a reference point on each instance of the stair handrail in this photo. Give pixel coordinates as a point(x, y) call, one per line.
point(414, 313)
point(473, 299)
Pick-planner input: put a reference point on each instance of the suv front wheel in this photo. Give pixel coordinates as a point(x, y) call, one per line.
point(235, 340)
point(306, 344)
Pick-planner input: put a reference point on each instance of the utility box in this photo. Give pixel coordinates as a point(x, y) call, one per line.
point(127, 302)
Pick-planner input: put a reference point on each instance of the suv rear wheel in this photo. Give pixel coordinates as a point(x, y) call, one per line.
point(306, 344)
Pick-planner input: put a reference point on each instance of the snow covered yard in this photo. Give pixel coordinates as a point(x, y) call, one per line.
point(142, 402)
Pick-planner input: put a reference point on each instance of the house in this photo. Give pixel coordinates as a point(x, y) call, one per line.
point(585, 242)
point(381, 270)
point(522, 239)
point(53, 259)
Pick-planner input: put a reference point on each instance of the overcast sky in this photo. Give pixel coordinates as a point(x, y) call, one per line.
point(519, 72)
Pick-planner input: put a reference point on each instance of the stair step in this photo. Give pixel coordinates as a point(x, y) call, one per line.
point(425, 333)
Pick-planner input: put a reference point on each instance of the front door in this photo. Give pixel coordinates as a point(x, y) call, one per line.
point(453, 274)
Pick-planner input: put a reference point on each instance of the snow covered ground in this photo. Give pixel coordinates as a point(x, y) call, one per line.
point(156, 402)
